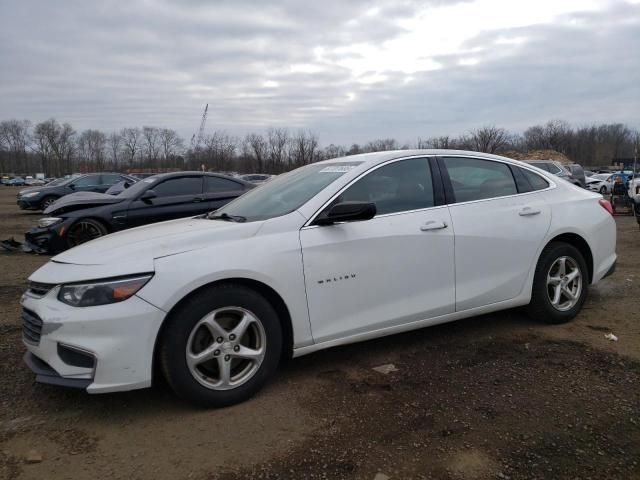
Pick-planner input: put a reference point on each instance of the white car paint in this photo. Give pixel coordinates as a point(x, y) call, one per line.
point(600, 182)
point(340, 283)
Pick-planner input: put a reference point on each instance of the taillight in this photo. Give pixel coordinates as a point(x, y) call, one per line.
point(606, 205)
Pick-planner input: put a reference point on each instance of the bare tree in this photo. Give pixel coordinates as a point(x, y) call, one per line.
point(488, 139)
point(220, 151)
point(381, 145)
point(91, 147)
point(255, 148)
point(171, 144)
point(333, 151)
point(114, 142)
point(442, 142)
point(277, 141)
point(14, 139)
point(152, 145)
point(303, 148)
point(131, 143)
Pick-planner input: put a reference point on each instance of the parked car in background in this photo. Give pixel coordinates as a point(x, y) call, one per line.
point(555, 168)
point(81, 217)
point(32, 182)
point(577, 173)
point(601, 182)
point(15, 182)
point(256, 178)
point(121, 186)
point(588, 173)
point(39, 198)
point(332, 253)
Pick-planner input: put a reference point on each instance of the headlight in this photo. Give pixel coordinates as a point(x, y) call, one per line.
point(48, 221)
point(30, 194)
point(102, 292)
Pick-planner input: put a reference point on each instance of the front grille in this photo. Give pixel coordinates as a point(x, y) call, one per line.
point(31, 327)
point(39, 289)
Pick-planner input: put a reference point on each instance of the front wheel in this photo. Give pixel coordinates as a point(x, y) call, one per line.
point(603, 190)
point(221, 346)
point(47, 202)
point(84, 230)
point(560, 284)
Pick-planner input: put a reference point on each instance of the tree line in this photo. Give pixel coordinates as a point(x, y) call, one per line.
point(57, 148)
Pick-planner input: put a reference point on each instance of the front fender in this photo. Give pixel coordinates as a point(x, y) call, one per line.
point(274, 260)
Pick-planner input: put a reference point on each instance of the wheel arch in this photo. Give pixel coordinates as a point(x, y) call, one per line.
point(273, 297)
point(581, 244)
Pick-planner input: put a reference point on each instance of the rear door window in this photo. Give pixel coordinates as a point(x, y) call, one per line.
point(478, 179)
point(88, 181)
point(111, 179)
point(217, 184)
point(179, 186)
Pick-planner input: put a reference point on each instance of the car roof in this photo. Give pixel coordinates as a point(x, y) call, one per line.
point(195, 172)
point(371, 159)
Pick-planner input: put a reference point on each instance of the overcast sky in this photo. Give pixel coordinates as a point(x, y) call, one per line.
point(349, 70)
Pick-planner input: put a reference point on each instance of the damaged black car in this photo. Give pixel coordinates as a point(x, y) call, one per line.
point(85, 216)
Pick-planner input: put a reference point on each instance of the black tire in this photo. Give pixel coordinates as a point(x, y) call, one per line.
point(603, 190)
point(540, 308)
point(46, 201)
point(93, 229)
point(173, 344)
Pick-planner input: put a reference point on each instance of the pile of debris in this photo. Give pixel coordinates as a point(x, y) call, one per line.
point(539, 155)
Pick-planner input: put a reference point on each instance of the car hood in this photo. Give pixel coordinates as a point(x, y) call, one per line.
point(134, 250)
point(79, 200)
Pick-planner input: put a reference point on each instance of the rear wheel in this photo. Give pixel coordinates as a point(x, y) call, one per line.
point(84, 230)
point(559, 285)
point(221, 346)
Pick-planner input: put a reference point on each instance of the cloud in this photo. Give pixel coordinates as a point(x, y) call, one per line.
point(350, 71)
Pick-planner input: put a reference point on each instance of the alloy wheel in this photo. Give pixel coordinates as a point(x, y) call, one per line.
point(564, 283)
point(82, 232)
point(226, 348)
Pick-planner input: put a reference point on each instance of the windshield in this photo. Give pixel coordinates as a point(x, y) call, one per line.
point(138, 187)
point(602, 176)
point(285, 193)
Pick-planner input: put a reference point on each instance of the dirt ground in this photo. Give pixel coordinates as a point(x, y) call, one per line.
point(497, 396)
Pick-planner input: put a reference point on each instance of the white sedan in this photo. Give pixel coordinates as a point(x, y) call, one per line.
point(601, 182)
point(335, 252)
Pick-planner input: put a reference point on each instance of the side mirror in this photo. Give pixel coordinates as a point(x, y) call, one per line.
point(148, 195)
point(72, 186)
point(347, 212)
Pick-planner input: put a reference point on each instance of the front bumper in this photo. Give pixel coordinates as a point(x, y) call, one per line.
point(29, 203)
point(119, 337)
point(48, 239)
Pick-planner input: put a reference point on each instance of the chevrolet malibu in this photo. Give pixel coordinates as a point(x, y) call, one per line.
point(332, 253)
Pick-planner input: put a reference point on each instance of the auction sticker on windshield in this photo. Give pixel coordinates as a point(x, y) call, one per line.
point(337, 169)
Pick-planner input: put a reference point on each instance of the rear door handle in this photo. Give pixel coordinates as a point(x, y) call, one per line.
point(433, 225)
point(528, 212)
point(198, 199)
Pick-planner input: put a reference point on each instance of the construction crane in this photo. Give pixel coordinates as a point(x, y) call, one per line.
point(197, 138)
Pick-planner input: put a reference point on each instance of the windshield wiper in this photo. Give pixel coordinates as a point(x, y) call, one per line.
point(228, 218)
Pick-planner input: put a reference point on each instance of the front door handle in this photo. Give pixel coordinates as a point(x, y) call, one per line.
point(198, 199)
point(433, 225)
point(528, 212)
